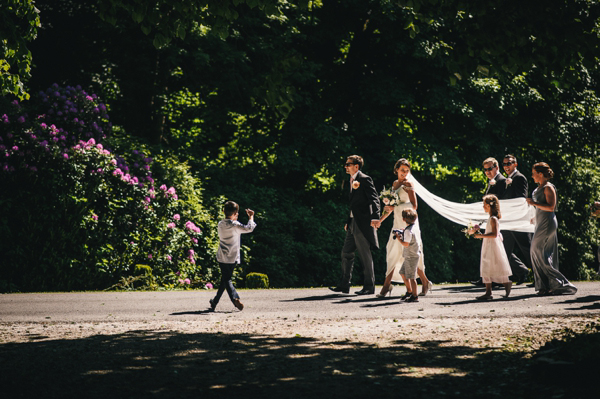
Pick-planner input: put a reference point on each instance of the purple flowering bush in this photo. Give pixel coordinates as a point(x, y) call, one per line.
point(75, 215)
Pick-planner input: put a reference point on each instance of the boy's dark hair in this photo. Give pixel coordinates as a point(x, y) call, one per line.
point(494, 204)
point(231, 208)
point(410, 215)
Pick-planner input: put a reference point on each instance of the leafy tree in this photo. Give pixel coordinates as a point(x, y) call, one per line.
point(507, 37)
point(19, 21)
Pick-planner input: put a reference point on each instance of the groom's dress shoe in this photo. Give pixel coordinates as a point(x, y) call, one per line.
point(340, 289)
point(365, 291)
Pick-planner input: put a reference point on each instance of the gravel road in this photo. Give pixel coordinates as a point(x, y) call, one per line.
point(286, 343)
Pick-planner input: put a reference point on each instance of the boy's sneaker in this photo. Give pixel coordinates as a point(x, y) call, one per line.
point(213, 305)
point(238, 304)
point(413, 299)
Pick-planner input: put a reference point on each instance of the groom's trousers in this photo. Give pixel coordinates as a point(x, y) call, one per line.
point(512, 239)
point(355, 240)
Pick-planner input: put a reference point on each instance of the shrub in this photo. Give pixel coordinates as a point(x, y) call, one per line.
point(257, 280)
point(77, 216)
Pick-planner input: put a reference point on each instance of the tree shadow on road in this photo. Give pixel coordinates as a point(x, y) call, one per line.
point(172, 364)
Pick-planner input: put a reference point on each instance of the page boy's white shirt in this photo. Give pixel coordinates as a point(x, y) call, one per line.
point(230, 232)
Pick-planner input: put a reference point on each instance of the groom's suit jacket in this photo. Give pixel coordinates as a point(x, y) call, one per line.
point(364, 206)
point(518, 188)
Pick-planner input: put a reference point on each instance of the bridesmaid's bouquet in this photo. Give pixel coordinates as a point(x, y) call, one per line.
point(470, 226)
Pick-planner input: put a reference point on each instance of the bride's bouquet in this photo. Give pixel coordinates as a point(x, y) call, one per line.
point(389, 197)
point(470, 226)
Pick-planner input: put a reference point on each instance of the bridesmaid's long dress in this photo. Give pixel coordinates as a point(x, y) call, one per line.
point(544, 250)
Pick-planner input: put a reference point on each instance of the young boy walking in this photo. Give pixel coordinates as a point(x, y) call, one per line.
point(228, 254)
point(412, 254)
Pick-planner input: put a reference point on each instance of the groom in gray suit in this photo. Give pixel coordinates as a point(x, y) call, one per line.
point(360, 229)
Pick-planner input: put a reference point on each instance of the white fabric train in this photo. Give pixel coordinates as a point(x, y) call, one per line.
point(516, 213)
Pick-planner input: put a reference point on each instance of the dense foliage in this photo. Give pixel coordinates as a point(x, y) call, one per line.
point(78, 216)
point(263, 108)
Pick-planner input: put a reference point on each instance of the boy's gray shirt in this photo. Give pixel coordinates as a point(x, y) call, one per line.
point(230, 232)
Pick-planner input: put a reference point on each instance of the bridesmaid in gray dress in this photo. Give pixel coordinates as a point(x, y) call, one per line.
point(544, 245)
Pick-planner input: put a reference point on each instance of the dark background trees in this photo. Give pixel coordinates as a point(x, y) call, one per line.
point(264, 101)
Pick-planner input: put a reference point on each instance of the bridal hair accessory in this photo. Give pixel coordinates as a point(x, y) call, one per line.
point(355, 185)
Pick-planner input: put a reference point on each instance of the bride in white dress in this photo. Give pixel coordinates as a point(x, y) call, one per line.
point(394, 249)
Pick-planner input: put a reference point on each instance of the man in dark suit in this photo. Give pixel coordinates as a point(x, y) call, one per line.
point(516, 187)
point(496, 185)
point(496, 182)
point(360, 227)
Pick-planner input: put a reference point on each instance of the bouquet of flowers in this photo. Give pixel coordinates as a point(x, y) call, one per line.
point(389, 197)
point(470, 226)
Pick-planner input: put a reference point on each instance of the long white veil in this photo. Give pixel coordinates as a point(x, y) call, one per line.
point(516, 213)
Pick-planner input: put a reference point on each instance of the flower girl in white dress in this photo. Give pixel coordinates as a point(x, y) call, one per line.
point(494, 266)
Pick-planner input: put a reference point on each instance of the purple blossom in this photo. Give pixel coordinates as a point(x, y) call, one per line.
point(169, 258)
point(149, 256)
point(21, 119)
point(15, 148)
point(95, 217)
point(187, 281)
point(176, 216)
point(43, 125)
point(66, 156)
point(209, 286)
point(148, 199)
point(163, 187)
point(171, 225)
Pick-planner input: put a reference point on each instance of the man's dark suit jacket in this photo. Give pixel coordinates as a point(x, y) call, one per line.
point(499, 188)
point(518, 188)
point(364, 204)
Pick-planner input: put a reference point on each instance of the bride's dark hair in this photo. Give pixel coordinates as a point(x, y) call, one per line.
point(400, 162)
point(494, 204)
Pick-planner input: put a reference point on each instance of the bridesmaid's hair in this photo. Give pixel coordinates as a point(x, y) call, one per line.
point(400, 162)
point(544, 169)
point(494, 204)
point(357, 160)
point(231, 208)
point(410, 215)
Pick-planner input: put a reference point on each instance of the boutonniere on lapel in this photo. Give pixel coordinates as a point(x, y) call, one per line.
point(508, 181)
point(493, 182)
point(355, 184)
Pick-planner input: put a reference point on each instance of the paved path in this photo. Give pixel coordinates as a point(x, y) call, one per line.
point(450, 300)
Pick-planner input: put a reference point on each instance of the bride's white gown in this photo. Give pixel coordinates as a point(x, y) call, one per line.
point(395, 250)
